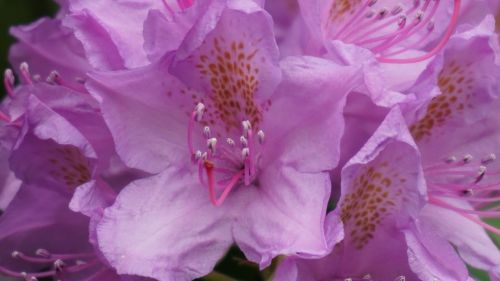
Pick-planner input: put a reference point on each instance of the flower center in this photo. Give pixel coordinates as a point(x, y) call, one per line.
point(388, 32)
point(468, 181)
point(222, 167)
point(60, 264)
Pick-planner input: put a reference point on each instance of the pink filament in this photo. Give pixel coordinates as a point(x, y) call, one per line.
point(190, 132)
point(449, 31)
point(8, 86)
point(209, 168)
point(468, 214)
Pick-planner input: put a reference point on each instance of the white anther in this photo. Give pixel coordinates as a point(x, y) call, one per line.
point(419, 16)
point(400, 278)
point(42, 253)
point(24, 67)
point(243, 141)
point(382, 13)
point(348, 279)
point(80, 262)
point(397, 9)
point(480, 173)
point(481, 170)
point(206, 131)
point(230, 141)
point(245, 152)
point(9, 76)
point(430, 26)
point(59, 265)
point(37, 77)
point(246, 125)
point(468, 192)
point(367, 277)
point(211, 143)
point(402, 21)
point(490, 158)
point(467, 158)
point(197, 155)
point(79, 80)
point(15, 254)
point(53, 76)
point(369, 14)
point(261, 136)
point(30, 278)
point(450, 159)
point(23, 274)
point(199, 109)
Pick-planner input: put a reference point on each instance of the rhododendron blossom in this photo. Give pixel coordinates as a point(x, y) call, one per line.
point(287, 140)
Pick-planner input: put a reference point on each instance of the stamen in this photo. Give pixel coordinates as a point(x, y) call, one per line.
point(247, 126)
point(211, 143)
point(449, 31)
point(397, 9)
point(244, 153)
point(196, 116)
point(199, 110)
point(55, 78)
point(490, 158)
point(59, 265)
point(460, 180)
point(222, 166)
point(25, 73)
point(464, 214)
point(261, 136)
point(451, 159)
point(243, 141)
point(56, 260)
point(480, 174)
point(206, 131)
point(197, 155)
point(42, 253)
point(8, 82)
point(230, 142)
point(467, 158)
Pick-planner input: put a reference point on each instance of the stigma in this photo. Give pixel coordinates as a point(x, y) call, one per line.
point(223, 162)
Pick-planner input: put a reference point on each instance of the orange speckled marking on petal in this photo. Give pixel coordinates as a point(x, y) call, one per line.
point(343, 8)
point(376, 191)
point(456, 87)
point(231, 69)
point(70, 166)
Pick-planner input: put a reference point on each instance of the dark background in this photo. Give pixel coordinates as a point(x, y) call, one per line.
point(14, 12)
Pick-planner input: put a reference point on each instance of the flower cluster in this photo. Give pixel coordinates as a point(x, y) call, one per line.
point(344, 139)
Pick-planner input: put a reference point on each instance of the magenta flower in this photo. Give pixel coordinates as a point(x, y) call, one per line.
point(231, 145)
